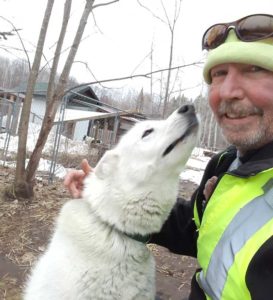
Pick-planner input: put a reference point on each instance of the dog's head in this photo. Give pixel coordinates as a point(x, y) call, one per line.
point(152, 146)
point(133, 187)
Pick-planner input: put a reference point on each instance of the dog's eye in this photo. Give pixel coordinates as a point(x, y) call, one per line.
point(147, 132)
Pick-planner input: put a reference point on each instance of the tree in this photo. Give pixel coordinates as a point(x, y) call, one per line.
point(21, 187)
point(210, 133)
point(171, 23)
point(16, 31)
point(4, 34)
point(25, 177)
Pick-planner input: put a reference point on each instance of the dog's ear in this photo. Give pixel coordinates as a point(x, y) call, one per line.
point(107, 164)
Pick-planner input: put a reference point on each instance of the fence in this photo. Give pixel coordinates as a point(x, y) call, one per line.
point(61, 147)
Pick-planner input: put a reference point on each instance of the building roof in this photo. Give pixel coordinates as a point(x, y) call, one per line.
point(75, 114)
point(78, 96)
point(40, 88)
point(83, 96)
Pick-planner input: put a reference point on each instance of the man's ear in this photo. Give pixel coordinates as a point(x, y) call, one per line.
point(107, 164)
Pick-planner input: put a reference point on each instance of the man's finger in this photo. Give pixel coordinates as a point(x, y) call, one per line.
point(86, 167)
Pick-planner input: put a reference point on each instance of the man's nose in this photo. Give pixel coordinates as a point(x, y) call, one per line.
point(232, 87)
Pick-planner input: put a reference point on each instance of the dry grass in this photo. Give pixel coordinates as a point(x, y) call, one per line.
point(26, 227)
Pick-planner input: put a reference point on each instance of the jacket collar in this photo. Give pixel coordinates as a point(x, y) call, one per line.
point(255, 161)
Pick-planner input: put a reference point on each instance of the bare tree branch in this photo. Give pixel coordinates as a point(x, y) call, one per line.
point(146, 75)
point(185, 89)
point(3, 34)
point(44, 57)
point(58, 50)
point(166, 16)
point(145, 7)
point(19, 36)
point(6, 49)
point(63, 51)
point(178, 10)
point(10, 48)
point(140, 63)
point(95, 22)
point(89, 70)
point(106, 3)
point(171, 23)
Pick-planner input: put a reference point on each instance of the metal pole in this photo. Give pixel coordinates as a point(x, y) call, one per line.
point(57, 139)
point(115, 130)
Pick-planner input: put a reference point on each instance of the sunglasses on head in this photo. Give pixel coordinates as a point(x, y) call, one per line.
point(248, 29)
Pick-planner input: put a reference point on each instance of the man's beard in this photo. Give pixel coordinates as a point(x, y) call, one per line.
point(247, 140)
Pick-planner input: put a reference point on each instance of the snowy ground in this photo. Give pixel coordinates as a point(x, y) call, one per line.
point(193, 171)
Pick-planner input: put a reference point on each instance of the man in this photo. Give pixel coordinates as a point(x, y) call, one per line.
point(228, 224)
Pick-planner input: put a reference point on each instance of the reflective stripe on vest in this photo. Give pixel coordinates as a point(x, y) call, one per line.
point(236, 234)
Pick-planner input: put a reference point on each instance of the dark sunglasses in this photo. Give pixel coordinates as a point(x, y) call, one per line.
point(248, 29)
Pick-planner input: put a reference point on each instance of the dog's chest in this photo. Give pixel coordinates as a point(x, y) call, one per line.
point(126, 280)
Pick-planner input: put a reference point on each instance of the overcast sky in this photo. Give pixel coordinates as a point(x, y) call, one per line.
point(121, 42)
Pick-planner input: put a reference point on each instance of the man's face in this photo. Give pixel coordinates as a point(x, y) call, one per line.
point(241, 98)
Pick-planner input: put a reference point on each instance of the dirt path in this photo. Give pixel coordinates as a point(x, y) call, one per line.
point(25, 230)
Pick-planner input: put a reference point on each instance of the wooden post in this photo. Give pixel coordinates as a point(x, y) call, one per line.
point(9, 114)
point(105, 129)
point(115, 130)
point(96, 131)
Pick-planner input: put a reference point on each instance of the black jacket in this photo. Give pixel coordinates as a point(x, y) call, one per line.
point(179, 234)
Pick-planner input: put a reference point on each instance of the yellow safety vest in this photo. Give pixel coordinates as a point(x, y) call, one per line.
point(237, 221)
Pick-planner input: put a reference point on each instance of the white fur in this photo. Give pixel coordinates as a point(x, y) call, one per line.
point(132, 190)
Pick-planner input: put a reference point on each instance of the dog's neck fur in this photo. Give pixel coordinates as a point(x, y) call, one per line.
point(134, 214)
point(137, 237)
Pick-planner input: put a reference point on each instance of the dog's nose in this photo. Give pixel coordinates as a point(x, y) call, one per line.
point(186, 109)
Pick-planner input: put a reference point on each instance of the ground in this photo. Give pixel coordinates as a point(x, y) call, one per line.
point(26, 227)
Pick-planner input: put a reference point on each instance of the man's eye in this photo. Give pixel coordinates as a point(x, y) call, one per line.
point(218, 73)
point(255, 69)
point(147, 132)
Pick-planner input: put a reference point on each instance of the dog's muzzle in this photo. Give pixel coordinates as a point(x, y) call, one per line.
point(188, 112)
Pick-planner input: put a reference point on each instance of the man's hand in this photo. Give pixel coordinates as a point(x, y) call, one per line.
point(73, 180)
point(209, 187)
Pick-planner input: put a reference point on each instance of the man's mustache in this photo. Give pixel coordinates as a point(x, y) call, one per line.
point(238, 109)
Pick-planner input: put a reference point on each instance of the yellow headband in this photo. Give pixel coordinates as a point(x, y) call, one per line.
point(258, 53)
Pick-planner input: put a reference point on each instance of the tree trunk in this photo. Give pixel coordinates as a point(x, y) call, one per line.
point(166, 97)
point(51, 102)
point(151, 70)
point(54, 101)
point(20, 175)
point(53, 72)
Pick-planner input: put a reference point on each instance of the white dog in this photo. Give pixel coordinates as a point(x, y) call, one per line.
point(97, 251)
